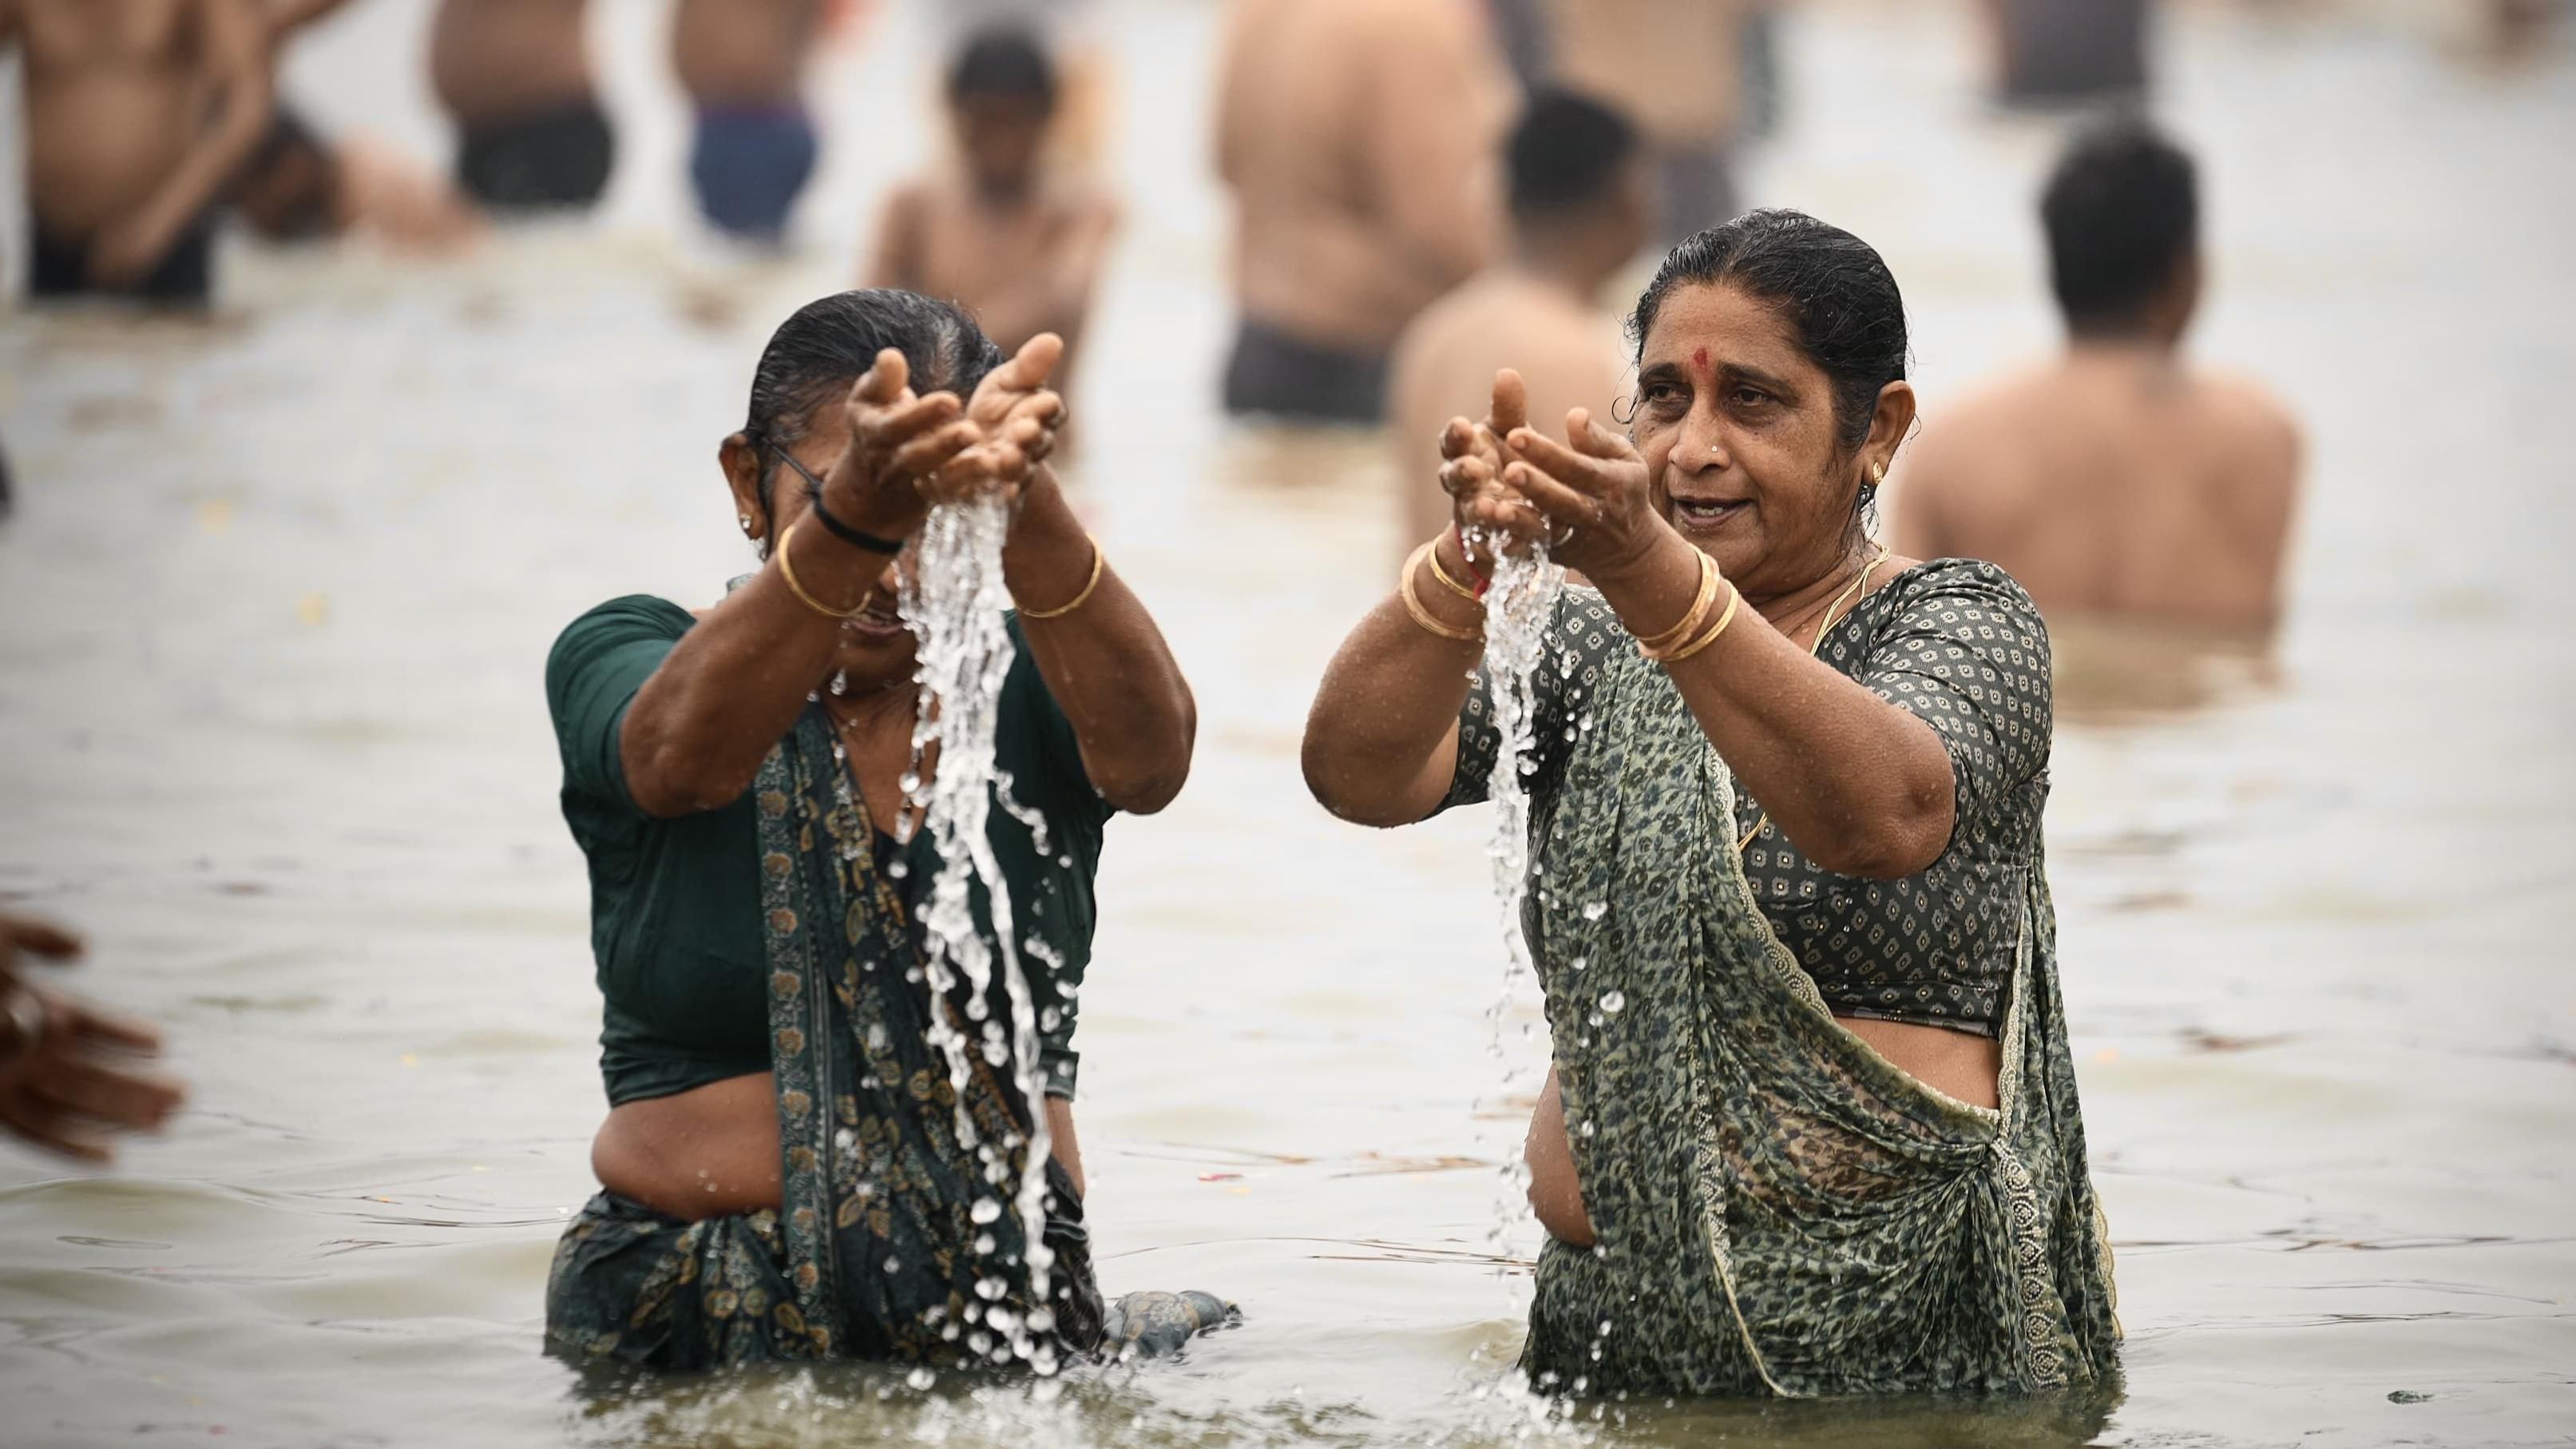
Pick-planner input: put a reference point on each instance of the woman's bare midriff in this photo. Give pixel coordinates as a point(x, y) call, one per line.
point(712, 1151)
point(1953, 1063)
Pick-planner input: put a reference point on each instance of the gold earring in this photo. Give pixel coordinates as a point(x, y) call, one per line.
point(1877, 473)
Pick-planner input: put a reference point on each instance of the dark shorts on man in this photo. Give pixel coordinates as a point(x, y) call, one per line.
point(1275, 375)
point(553, 159)
point(749, 165)
point(185, 278)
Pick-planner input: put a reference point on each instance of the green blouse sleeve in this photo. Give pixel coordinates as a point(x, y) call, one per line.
point(598, 664)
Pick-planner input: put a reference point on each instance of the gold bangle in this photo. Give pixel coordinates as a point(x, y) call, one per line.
point(1733, 603)
point(1423, 616)
point(1099, 566)
point(1452, 585)
point(787, 571)
point(1692, 618)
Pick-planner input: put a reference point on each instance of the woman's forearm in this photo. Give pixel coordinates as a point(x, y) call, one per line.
point(697, 732)
point(1382, 739)
point(1858, 785)
point(1105, 661)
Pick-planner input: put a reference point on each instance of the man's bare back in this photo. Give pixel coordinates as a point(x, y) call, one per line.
point(120, 159)
point(2114, 482)
point(1358, 138)
point(501, 60)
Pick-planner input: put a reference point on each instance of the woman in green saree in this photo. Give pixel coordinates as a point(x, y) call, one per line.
point(791, 1167)
point(1788, 904)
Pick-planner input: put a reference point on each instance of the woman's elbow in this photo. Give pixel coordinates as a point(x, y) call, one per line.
point(1346, 796)
point(1892, 844)
point(667, 782)
point(1153, 779)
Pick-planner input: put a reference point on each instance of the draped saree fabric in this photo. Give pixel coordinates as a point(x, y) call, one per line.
point(1778, 1209)
point(874, 1255)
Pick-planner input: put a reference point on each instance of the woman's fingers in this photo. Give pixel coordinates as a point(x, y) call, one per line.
point(1026, 372)
point(1553, 498)
point(1593, 440)
point(1044, 408)
point(37, 938)
point(1511, 404)
point(930, 452)
point(31, 1119)
point(885, 382)
point(1029, 369)
point(134, 1101)
point(1458, 440)
point(1575, 470)
point(892, 425)
point(93, 1027)
point(1464, 477)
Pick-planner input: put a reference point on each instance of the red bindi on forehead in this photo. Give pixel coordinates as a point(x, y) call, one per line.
point(1699, 359)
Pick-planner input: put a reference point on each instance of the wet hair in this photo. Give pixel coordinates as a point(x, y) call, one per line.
point(1832, 288)
point(1566, 154)
point(1004, 61)
point(817, 355)
point(2122, 210)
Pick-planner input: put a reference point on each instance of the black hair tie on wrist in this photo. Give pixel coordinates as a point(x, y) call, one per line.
point(842, 531)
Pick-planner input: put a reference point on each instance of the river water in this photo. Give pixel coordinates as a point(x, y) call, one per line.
point(275, 604)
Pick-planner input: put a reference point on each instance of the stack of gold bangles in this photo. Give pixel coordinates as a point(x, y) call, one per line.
point(1413, 601)
point(1686, 638)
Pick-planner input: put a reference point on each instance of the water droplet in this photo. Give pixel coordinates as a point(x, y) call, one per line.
point(985, 1210)
point(1612, 1001)
point(983, 1242)
point(840, 681)
point(920, 1378)
point(1595, 910)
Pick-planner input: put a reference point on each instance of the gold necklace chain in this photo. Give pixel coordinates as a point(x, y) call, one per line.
point(1850, 596)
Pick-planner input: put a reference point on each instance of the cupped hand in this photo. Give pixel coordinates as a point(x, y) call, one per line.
point(1017, 420)
point(1593, 492)
point(81, 1077)
point(1474, 457)
point(898, 442)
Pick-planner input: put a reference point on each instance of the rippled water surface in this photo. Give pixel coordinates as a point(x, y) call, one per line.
point(274, 608)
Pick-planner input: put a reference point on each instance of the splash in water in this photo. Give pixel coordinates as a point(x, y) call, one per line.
point(955, 602)
point(1519, 604)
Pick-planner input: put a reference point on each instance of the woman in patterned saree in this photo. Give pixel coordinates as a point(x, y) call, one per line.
point(789, 1171)
point(1787, 899)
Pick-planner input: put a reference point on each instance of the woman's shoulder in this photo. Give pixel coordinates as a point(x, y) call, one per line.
point(631, 616)
point(604, 628)
point(1972, 585)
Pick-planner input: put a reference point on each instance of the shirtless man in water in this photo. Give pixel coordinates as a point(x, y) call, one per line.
point(1022, 248)
point(1358, 138)
point(515, 76)
point(743, 65)
point(2117, 482)
point(138, 114)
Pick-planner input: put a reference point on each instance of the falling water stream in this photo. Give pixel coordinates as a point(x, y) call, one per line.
point(1518, 606)
point(955, 602)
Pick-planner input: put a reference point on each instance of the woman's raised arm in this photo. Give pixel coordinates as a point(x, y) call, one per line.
point(1382, 739)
